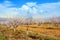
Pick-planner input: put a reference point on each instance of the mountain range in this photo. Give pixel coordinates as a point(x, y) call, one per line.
point(52, 20)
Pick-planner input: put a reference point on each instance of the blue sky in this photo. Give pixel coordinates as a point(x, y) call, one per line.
point(27, 8)
point(19, 3)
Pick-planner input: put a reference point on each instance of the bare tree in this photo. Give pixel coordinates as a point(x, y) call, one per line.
point(15, 22)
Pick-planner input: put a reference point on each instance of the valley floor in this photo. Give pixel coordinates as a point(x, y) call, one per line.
point(32, 32)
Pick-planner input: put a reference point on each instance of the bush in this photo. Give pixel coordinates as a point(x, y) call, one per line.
point(33, 36)
point(35, 27)
point(40, 37)
point(50, 28)
point(49, 38)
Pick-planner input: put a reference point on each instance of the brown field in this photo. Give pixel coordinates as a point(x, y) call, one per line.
point(34, 32)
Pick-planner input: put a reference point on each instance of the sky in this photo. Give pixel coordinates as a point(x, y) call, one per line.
point(29, 8)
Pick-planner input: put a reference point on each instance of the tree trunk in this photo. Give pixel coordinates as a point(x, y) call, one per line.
point(14, 29)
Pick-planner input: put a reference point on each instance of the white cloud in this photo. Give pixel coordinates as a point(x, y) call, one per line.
point(6, 10)
point(7, 3)
point(44, 10)
point(51, 9)
point(31, 4)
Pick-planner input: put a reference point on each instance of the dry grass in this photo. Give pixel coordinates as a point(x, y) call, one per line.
point(44, 29)
point(38, 32)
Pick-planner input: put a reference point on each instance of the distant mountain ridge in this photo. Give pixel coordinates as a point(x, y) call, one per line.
point(52, 20)
point(3, 19)
point(55, 19)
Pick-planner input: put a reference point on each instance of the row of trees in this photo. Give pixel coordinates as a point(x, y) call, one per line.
point(15, 22)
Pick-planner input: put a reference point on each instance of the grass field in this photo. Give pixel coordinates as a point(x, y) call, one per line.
point(34, 32)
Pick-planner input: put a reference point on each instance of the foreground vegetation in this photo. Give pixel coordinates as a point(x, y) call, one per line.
point(31, 32)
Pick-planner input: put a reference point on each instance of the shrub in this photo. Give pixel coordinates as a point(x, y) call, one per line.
point(50, 28)
point(49, 38)
point(33, 36)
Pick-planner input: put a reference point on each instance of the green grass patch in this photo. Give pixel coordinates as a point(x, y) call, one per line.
point(2, 37)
